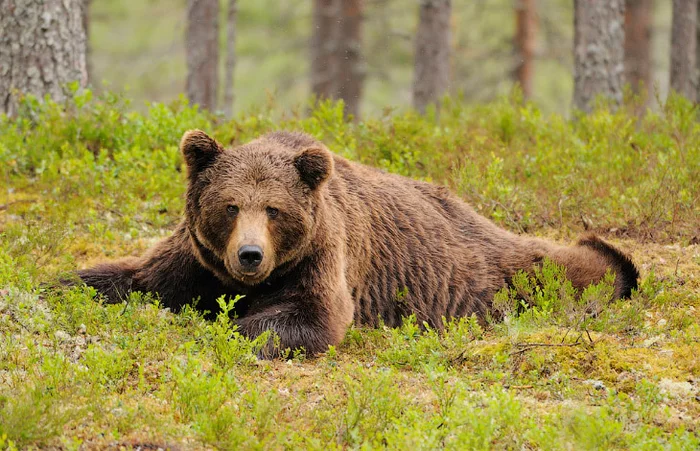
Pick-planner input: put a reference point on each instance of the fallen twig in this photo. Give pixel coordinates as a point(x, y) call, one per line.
point(527, 346)
point(589, 337)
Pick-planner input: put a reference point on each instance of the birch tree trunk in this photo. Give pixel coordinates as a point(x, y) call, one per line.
point(683, 44)
point(350, 66)
point(638, 15)
point(432, 54)
point(202, 48)
point(230, 67)
point(42, 48)
point(598, 51)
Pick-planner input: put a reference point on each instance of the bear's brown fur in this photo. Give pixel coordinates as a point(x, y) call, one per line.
point(315, 242)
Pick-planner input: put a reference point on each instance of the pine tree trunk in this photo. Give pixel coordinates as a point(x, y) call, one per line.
point(638, 15)
point(432, 54)
point(42, 48)
point(350, 67)
point(525, 31)
point(202, 47)
point(323, 51)
point(598, 51)
point(697, 55)
point(683, 44)
point(88, 48)
point(230, 57)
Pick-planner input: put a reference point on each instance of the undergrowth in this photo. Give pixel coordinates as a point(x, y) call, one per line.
point(90, 180)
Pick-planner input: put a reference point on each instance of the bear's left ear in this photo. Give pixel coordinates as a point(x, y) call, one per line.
point(200, 150)
point(315, 165)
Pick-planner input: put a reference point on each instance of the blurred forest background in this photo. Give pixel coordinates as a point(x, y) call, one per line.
point(138, 46)
point(236, 56)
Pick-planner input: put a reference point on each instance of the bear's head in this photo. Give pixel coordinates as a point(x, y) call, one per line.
point(254, 208)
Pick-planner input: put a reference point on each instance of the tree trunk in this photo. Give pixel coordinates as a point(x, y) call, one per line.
point(230, 57)
point(88, 47)
point(323, 43)
point(697, 56)
point(42, 47)
point(683, 44)
point(202, 47)
point(351, 70)
point(598, 51)
point(638, 15)
point(525, 31)
point(432, 55)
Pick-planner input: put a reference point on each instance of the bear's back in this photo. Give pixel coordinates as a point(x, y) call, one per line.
point(413, 247)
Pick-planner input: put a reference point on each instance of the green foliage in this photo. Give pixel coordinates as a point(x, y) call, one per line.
point(413, 345)
point(373, 405)
point(90, 180)
point(230, 347)
point(548, 297)
point(610, 171)
point(30, 417)
point(223, 412)
point(107, 368)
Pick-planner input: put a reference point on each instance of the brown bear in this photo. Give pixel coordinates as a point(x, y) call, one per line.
point(314, 242)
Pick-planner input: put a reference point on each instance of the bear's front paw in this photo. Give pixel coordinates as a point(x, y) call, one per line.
point(289, 335)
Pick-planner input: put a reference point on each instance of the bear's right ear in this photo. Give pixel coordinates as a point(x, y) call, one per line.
point(200, 151)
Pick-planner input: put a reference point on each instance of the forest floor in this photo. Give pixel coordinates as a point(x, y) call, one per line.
point(76, 373)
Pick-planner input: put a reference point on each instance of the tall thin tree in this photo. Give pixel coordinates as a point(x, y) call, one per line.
point(202, 49)
point(350, 65)
point(638, 14)
point(697, 56)
point(42, 48)
point(432, 53)
point(323, 47)
point(230, 66)
point(88, 47)
point(683, 44)
point(598, 51)
point(525, 40)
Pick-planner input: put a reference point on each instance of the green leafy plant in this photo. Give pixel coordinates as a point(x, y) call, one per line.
point(230, 347)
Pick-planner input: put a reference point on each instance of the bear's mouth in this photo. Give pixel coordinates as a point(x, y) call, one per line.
point(255, 278)
point(246, 277)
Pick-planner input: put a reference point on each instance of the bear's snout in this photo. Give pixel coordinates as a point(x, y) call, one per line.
point(250, 257)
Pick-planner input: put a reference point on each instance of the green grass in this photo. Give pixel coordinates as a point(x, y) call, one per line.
point(91, 180)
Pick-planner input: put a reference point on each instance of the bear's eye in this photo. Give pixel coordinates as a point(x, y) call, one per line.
point(232, 210)
point(272, 212)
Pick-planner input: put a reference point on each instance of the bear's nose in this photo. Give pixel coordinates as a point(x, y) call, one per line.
point(250, 256)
